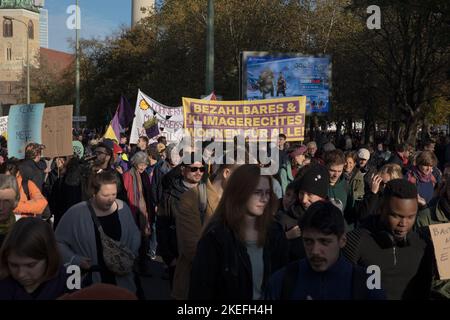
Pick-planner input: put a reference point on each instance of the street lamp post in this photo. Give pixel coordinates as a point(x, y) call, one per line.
point(77, 66)
point(210, 49)
point(28, 58)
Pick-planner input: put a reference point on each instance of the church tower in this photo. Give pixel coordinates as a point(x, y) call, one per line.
point(136, 12)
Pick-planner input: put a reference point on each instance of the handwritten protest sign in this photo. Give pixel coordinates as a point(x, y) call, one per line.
point(255, 119)
point(4, 126)
point(440, 234)
point(57, 131)
point(78, 148)
point(170, 119)
point(24, 126)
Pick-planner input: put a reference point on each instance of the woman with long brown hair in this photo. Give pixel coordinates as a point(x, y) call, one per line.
point(242, 245)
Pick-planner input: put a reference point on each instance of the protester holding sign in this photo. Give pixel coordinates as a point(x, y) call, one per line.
point(437, 214)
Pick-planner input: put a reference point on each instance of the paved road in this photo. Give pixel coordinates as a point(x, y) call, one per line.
point(155, 287)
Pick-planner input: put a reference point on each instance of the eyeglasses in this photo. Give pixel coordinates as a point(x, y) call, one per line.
point(195, 169)
point(261, 194)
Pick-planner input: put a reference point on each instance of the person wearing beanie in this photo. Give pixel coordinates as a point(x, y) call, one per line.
point(290, 168)
point(310, 186)
point(387, 240)
point(324, 274)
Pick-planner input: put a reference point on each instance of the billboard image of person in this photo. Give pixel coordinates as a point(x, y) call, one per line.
point(265, 75)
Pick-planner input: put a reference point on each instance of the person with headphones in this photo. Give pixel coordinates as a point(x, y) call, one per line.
point(387, 240)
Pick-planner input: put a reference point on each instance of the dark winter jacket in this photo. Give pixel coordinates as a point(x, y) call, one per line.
point(31, 170)
point(222, 269)
point(165, 222)
point(289, 219)
point(405, 266)
point(52, 289)
point(336, 283)
point(160, 170)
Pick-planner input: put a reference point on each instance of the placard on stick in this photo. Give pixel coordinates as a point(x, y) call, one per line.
point(440, 234)
point(57, 131)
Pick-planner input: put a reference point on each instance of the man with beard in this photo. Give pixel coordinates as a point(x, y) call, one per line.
point(191, 174)
point(324, 274)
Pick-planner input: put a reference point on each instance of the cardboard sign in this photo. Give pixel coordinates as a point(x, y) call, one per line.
point(25, 123)
point(78, 148)
point(57, 131)
point(440, 234)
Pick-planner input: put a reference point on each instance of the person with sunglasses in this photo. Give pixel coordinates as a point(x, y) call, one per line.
point(191, 174)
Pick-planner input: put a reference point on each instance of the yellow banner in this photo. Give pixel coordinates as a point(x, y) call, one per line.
point(255, 119)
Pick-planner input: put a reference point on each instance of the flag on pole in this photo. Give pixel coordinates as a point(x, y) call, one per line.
point(122, 118)
point(212, 96)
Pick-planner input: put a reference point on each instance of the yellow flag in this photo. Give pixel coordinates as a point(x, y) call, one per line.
point(110, 134)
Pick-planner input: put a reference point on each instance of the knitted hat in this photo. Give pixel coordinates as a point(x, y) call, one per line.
point(298, 151)
point(315, 180)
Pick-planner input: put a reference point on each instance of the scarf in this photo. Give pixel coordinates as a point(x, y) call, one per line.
point(420, 176)
point(139, 200)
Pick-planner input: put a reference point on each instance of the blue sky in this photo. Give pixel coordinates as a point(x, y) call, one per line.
point(99, 18)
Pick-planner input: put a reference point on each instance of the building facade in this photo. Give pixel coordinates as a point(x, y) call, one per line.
point(136, 10)
point(43, 28)
point(19, 23)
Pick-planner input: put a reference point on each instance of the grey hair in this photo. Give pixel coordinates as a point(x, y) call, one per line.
point(139, 157)
point(311, 144)
point(10, 182)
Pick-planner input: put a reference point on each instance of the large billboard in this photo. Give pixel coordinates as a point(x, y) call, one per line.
point(269, 75)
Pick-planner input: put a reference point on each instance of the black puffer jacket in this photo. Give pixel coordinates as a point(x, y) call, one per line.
point(405, 266)
point(222, 269)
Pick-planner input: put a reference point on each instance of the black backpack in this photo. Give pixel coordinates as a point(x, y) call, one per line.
point(359, 289)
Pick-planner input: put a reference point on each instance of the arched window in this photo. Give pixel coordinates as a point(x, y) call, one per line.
point(7, 28)
point(30, 30)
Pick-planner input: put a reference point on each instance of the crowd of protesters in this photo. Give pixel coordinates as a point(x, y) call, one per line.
point(225, 230)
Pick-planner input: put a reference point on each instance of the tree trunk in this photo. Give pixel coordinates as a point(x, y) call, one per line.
point(410, 134)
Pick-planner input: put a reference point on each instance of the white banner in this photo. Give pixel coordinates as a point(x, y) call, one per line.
point(170, 119)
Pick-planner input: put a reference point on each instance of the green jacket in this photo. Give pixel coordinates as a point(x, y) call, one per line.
point(340, 191)
point(357, 185)
point(426, 217)
point(286, 176)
